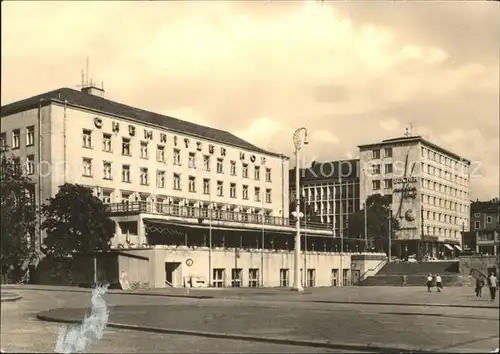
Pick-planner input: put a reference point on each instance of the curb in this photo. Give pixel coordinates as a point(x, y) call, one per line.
point(10, 298)
point(296, 342)
point(114, 292)
point(404, 304)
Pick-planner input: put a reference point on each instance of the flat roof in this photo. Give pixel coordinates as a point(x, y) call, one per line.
point(327, 171)
point(415, 139)
point(78, 99)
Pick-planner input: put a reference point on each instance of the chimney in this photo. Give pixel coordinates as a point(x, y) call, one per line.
point(93, 90)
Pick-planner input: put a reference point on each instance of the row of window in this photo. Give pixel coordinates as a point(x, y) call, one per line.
point(441, 188)
point(440, 173)
point(144, 179)
point(443, 203)
point(219, 277)
point(442, 232)
point(348, 206)
point(29, 134)
point(387, 153)
point(441, 217)
point(177, 160)
point(442, 159)
point(344, 191)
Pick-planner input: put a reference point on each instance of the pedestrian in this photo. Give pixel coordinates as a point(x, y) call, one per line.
point(493, 284)
point(479, 286)
point(439, 282)
point(404, 280)
point(429, 283)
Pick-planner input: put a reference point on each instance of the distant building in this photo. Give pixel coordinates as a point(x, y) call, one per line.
point(331, 189)
point(483, 237)
point(429, 186)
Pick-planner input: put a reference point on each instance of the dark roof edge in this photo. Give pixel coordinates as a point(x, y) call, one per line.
point(417, 139)
point(43, 103)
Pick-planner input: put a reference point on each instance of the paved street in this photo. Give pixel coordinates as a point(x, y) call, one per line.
point(287, 316)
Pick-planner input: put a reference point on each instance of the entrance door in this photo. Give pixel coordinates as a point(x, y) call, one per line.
point(355, 277)
point(172, 273)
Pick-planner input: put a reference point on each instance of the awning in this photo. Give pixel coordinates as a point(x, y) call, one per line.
point(448, 247)
point(458, 248)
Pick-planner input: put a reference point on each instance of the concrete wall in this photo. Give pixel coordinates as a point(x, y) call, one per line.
point(134, 270)
point(367, 264)
point(468, 264)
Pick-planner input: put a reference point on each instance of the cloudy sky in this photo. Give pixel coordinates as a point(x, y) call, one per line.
point(351, 72)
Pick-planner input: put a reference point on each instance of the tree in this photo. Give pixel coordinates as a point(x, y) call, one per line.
point(378, 212)
point(76, 221)
point(18, 218)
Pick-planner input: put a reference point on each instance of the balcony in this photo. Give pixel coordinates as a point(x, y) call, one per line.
point(205, 213)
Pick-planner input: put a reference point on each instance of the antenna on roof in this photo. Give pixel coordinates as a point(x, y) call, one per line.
point(87, 71)
point(411, 129)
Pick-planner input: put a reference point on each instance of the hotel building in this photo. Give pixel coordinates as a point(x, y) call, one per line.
point(194, 205)
point(429, 186)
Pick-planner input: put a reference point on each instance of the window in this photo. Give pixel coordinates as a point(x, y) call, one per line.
point(3, 141)
point(244, 170)
point(160, 153)
point(177, 182)
point(192, 160)
point(232, 190)
point(477, 215)
point(106, 197)
point(268, 175)
point(87, 138)
point(87, 167)
point(388, 152)
point(268, 196)
point(376, 154)
point(233, 168)
point(253, 277)
point(236, 277)
point(245, 192)
point(177, 157)
point(388, 183)
point(220, 166)
point(144, 176)
point(192, 184)
point(477, 225)
point(388, 168)
point(206, 162)
point(159, 205)
point(206, 186)
point(489, 219)
point(160, 179)
point(126, 173)
point(375, 185)
point(284, 281)
point(218, 277)
point(106, 142)
point(126, 146)
point(345, 277)
point(335, 277)
point(144, 150)
point(30, 168)
point(257, 173)
point(106, 170)
point(376, 169)
point(30, 136)
point(220, 188)
point(257, 194)
point(311, 278)
point(16, 139)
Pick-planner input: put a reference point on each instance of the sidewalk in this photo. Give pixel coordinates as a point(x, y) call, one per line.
point(383, 295)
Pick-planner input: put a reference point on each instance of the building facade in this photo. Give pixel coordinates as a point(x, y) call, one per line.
point(331, 191)
point(483, 237)
point(167, 182)
point(430, 192)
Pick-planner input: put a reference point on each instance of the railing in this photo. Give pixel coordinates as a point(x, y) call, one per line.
point(205, 213)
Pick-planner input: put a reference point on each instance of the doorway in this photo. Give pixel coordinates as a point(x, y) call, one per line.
point(355, 277)
point(172, 274)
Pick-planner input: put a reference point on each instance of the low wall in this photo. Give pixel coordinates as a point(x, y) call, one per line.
point(469, 265)
point(368, 264)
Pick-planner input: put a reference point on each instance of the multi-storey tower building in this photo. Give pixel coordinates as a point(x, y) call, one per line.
point(429, 186)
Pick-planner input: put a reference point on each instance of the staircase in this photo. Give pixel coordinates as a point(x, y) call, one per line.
point(416, 273)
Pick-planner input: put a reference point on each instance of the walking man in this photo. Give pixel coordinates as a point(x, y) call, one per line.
point(439, 282)
point(493, 284)
point(479, 286)
point(429, 283)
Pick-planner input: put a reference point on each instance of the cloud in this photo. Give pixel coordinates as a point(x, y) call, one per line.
point(352, 74)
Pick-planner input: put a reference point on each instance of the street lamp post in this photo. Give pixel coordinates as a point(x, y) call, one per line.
point(298, 145)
